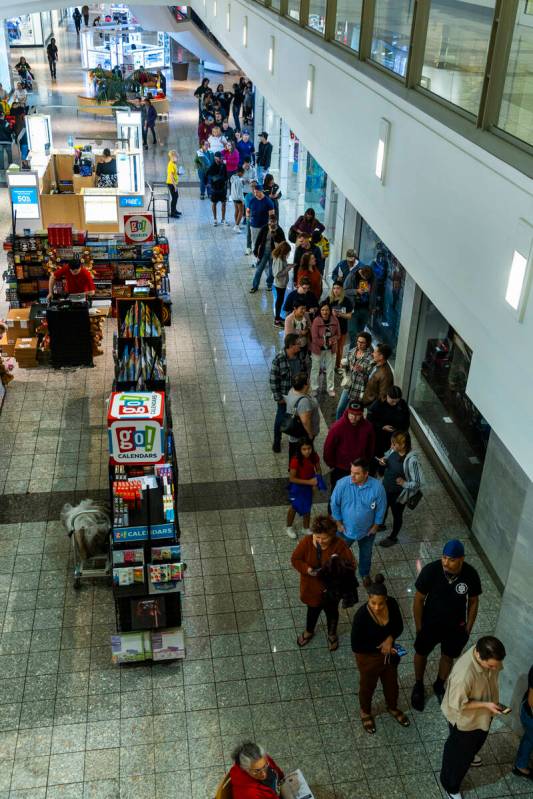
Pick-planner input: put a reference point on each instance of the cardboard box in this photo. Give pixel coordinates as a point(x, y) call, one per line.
point(19, 317)
point(7, 347)
point(26, 352)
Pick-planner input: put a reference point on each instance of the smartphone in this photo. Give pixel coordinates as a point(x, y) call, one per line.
point(504, 710)
point(401, 650)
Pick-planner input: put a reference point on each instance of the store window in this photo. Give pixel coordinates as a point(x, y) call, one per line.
point(317, 15)
point(348, 22)
point(516, 114)
point(293, 10)
point(275, 5)
point(456, 51)
point(438, 396)
point(315, 187)
point(29, 30)
point(392, 34)
point(386, 294)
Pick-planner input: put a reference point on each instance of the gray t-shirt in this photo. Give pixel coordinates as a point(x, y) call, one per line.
point(307, 403)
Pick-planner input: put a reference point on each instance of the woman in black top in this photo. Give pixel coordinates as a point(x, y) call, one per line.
point(272, 190)
point(388, 415)
point(375, 628)
point(106, 171)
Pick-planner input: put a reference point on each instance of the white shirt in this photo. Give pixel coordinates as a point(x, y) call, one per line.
point(216, 143)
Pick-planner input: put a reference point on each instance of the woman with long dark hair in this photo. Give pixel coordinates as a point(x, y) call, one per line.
point(402, 479)
point(303, 469)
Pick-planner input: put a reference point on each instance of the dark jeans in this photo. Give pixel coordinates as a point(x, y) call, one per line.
point(174, 194)
point(264, 263)
point(331, 609)
point(280, 296)
point(280, 413)
point(77, 25)
point(459, 751)
point(397, 509)
point(86, 20)
point(236, 120)
point(203, 183)
point(52, 65)
point(152, 128)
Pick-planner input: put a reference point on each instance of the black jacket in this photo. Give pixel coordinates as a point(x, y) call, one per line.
point(260, 242)
point(381, 414)
point(263, 155)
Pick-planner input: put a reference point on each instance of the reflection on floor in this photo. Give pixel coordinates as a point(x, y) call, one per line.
point(71, 725)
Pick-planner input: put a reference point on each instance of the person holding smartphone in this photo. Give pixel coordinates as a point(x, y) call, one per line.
point(471, 702)
point(375, 628)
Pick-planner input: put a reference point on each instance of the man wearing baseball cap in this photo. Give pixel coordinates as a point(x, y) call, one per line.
point(351, 437)
point(445, 609)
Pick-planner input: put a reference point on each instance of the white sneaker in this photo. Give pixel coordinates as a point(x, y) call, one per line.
point(476, 761)
point(247, 251)
point(215, 223)
point(290, 532)
point(454, 795)
point(331, 392)
point(236, 228)
point(306, 532)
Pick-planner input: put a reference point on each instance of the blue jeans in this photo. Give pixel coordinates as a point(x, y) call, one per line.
point(365, 551)
point(204, 185)
point(525, 747)
point(261, 172)
point(280, 413)
point(265, 262)
point(343, 403)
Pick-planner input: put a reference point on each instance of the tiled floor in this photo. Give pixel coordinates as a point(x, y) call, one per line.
point(73, 726)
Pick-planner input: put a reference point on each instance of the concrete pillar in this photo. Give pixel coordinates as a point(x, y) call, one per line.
point(5, 74)
point(405, 346)
point(284, 147)
point(302, 177)
point(336, 247)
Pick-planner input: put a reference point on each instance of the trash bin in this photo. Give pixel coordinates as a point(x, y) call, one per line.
point(180, 70)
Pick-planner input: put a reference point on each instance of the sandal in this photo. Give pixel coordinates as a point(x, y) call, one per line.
point(304, 639)
point(369, 725)
point(333, 643)
point(400, 717)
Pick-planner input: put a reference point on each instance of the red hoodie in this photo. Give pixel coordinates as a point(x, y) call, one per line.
point(244, 786)
point(345, 442)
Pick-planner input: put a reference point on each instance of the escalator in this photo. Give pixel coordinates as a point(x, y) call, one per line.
point(187, 29)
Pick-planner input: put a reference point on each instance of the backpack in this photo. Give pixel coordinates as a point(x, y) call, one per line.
point(324, 246)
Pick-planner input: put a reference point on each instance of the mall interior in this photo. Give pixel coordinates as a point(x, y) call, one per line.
point(407, 126)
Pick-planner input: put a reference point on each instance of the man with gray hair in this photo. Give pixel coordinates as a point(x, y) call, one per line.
point(254, 774)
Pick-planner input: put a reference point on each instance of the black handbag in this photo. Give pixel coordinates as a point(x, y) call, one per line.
point(413, 500)
point(291, 423)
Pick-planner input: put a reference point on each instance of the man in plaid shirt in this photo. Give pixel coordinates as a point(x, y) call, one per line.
point(286, 365)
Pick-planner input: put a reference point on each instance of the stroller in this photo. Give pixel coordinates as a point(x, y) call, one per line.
point(26, 78)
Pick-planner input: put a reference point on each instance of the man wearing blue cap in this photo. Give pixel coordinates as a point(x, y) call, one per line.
point(445, 609)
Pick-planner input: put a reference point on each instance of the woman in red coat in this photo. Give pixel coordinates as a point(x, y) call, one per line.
point(254, 775)
point(311, 554)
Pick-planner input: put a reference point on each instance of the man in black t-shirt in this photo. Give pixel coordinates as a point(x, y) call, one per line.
point(444, 609)
point(302, 295)
point(521, 766)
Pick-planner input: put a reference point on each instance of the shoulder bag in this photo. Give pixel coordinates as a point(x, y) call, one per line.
point(291, 424)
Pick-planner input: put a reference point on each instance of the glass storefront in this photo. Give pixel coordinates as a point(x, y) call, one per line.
point(516, 114)
point(438, 396)
point(387, 290)
point(293, 10)
point(317, 15)
point(315, 187)
point(29, 30)
point(392, 34)
point(348, 22)
point(456, 51)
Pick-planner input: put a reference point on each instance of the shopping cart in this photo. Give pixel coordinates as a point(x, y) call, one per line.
point(88, 527)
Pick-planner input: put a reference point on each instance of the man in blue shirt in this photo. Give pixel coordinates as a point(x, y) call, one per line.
point(359, 505)
point(259, 210)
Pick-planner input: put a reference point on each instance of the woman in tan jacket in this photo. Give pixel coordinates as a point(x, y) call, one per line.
point(312, 553)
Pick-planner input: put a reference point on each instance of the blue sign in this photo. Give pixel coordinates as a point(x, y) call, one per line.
point(121, 534)
point(161, 531)
point(131, 202)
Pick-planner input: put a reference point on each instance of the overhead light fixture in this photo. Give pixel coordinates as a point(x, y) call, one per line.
point(310, 88)
point(271, 55)
point(245, 31)
point(383, 146)
point(228, 17)
point(520, 273)
point(214, 8)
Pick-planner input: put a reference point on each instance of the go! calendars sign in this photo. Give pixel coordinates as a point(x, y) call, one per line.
point(136, 427)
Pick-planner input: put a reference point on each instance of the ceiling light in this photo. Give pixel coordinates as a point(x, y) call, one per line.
point(245, 31)
point(520, 272)
point(271, 55)
point(228, 17)
point(383, 143)
point(310, 89)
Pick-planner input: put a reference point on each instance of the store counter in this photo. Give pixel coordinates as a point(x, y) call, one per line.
point(106, 108)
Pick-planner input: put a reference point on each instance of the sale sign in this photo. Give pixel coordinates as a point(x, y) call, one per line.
point(136, 427)
point(138, 228)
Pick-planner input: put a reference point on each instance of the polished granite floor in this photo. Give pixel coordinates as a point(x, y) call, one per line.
point(72, 726)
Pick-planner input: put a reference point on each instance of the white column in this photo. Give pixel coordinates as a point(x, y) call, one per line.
point(284, 148)
point(5, 75)
point(302, 176)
